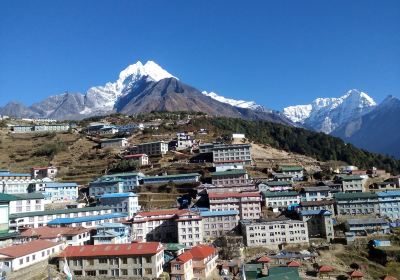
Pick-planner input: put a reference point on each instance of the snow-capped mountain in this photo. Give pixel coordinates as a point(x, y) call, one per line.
point(233, 102)
point(327, 114)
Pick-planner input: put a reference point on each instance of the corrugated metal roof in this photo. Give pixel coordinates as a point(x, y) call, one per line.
point(218, 213)
point(118, 195)
point(60, 221)
point(55, 212)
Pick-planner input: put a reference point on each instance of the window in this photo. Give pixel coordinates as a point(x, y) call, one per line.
point(21, 261)
point(124, 261)
point(124, 272)
point(78, 272)
point(103, 261)
point(148, 271)
point(90, 273)
point(90, 262)
point(103, 272)
point(148, 259)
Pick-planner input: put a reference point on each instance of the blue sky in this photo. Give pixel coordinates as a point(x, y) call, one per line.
point(277, 53)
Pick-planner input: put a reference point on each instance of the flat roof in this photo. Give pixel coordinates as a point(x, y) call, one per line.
point(118, 195)
point(279, 194)
point(171, 176)
point(20, 196)
point(55, 212)
point(355, 195)
point(60, 221)
point(218, 213)
point(229, 172)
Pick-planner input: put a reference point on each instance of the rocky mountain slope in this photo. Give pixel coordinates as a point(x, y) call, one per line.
point(327, 114)
point(377, 130)
point(141, 88)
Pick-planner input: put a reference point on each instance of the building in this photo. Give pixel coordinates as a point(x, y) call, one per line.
point(53, 191)
point(209, 188)
point(4, 221)
point(24, 202)
point(389, 204)
point(157, 148)
point(115, 143)
point(173, 178)
point(190, 228)
point(115, 183)
point(328, 205)
point(44, 172)
point(20, 256)
point(384, 186)
point(15, 182)
point(69, 236)
point(274, 232)
point(293, 170)
point(88, 221)
point(126, 203)
point(41, 128)
point(281, 200)
point(247, 203)
point(319, 223)
point(367, 226)
point(316, 193)
point(140, 159)
point(351, 183)
point(184, 141)
point(357, 203)
point(280, 177)
point(136, 260)
point(217, 223)
point(41, 218)
point(230, 177)
point(224, 154)
point(111, 233)
point(206, 148)
point(275, 186)
point(196, 263)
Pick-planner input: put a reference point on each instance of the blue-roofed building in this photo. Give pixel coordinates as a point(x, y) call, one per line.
point(127, 203)
point(53, 191)
point(111, 233)
point(87, 221)
point(216, 223)
point(389, 204)
point(115, 183)
point(319, 223)
point(13, 183)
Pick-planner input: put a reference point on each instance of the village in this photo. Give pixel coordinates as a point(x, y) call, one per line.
point(211, 211)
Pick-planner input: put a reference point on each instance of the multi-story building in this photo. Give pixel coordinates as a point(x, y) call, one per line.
point(206, 148)
point(319, 205)
point(357, 203)
point(367, 226)
point(41, 218)
point(44, 172)
point(24, 202)
point(115, 143)
point(196, 263)
point(111, 233)
point(280, 177)
point(115, 183)
point(174, 178)
point(4, 218)
point(293, 170)
point(209, 188)
point(383, 186)
point(351, 183)
point(127, 203)
point(143, 260)
point(316, 193)
point(41, 128)
point(274, 232)
point(247, 203)
point(281, 200)
point(15, 182)
point(319, 223)
point(88, 221)
point(20, 256)
point(69, 236)
point(140, 159)
point(53, 191)
point(275, 186)
point(190, 228)
point(184, 141)
point(217, 223)
point(230, 177)
point(389, 204)
point(157, 148)
point(228, 154)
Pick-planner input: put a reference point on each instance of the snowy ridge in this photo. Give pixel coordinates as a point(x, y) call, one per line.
point(327, 114)
point(233, 102)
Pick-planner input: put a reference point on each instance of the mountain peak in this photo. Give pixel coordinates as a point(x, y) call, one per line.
point(150, 69)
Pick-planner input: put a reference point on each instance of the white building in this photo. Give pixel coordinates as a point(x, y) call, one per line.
point(231, 154)
point(140, 159)
point(184, 141)
point(316, 193)
point(293, 170)
point(127, 203)
point(44, 172)
point(15, 182)
point(115, 143)
point(281, 200)
point(274, 232)
point(24, 202)
point(190, 228)
point(53, 191)
point(115, 183)
point(16, 257)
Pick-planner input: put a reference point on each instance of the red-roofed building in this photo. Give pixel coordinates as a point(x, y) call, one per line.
point(196, 263)
point(356, 274)
point(247, 203)
point(388, 277)
point(68, 235)
point(294, 264)
point(137, 260)
point(168, 225)
point(141, 159)
point(20, 256)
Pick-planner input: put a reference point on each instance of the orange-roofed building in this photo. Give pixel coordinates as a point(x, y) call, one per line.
point(294, 264)
point(247, 203)
point(136, 260)
point(20, 256)
point(196, 263)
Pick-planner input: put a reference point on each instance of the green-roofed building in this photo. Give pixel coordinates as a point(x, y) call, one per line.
point(231, 177)
point(351, 183)
point(281, 200)
point(295, 171)
point(22, 202)
point(174, 178)
point(282, 273)
point(357, 203)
